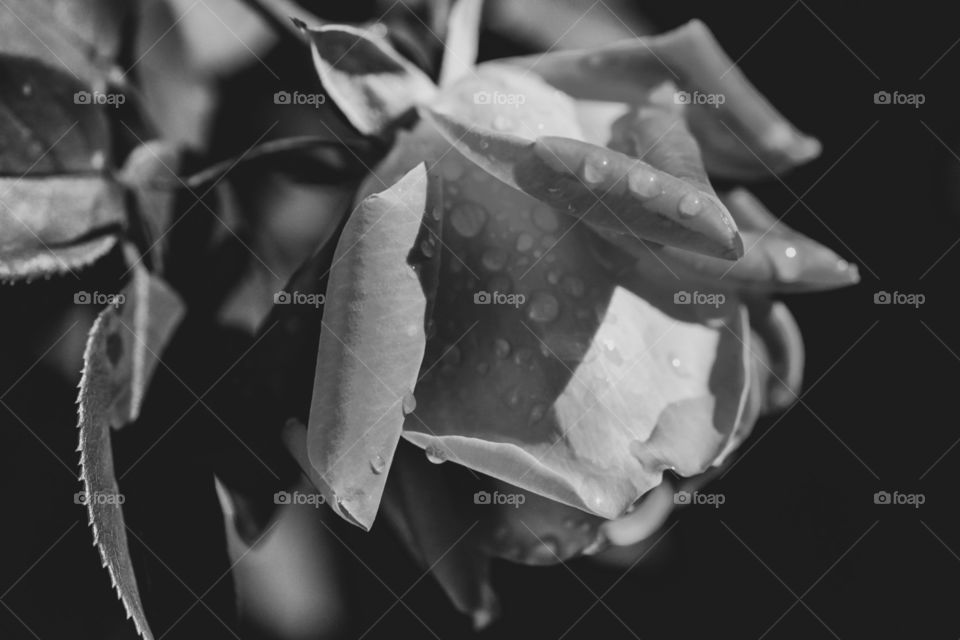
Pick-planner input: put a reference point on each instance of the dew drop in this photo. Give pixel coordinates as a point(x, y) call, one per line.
point(553, 276)
point(27, 90)
point(523, 357)
point(484, 144)
point(409, 404)
point(643, 183)
point(468, 219)
point(524, 242)
point(98, 160)
point(677, 364)
point(377, 464)
point(690, 205)
point(426, 247)
point(595, 169)
point(544, 307)
point(501, 348)
point(790, 252)
point(494, 259)
point(482, 368)
point(512, 398)
point(435, 454)
point(544, 218)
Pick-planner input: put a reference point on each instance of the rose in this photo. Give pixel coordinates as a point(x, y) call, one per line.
point(580, 397)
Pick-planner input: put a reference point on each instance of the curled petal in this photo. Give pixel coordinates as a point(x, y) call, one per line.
point(783, 344)
point(741, 133)
point(369, 81)
point(610, 191)
point(460, 48)
point(771, 263)
point(370, 349)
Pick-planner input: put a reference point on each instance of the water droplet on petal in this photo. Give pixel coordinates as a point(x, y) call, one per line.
point(790, 252)
point(524, 242)
point(553, 276)
point(409, 404)
point(426, 247)
point(98, 160)
point(377, 464)
point(595, 168)
point(435, 454)
point(544, 218)
point(494, 259)
point(482, 368)
point(690, 205)
point(501, 348)
point(643, 183)
point(468, 219)
point(544, 307)
point(677, 365)
point(27, 90)
point(484, 144)
point(512, 398)
point(523, 356)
